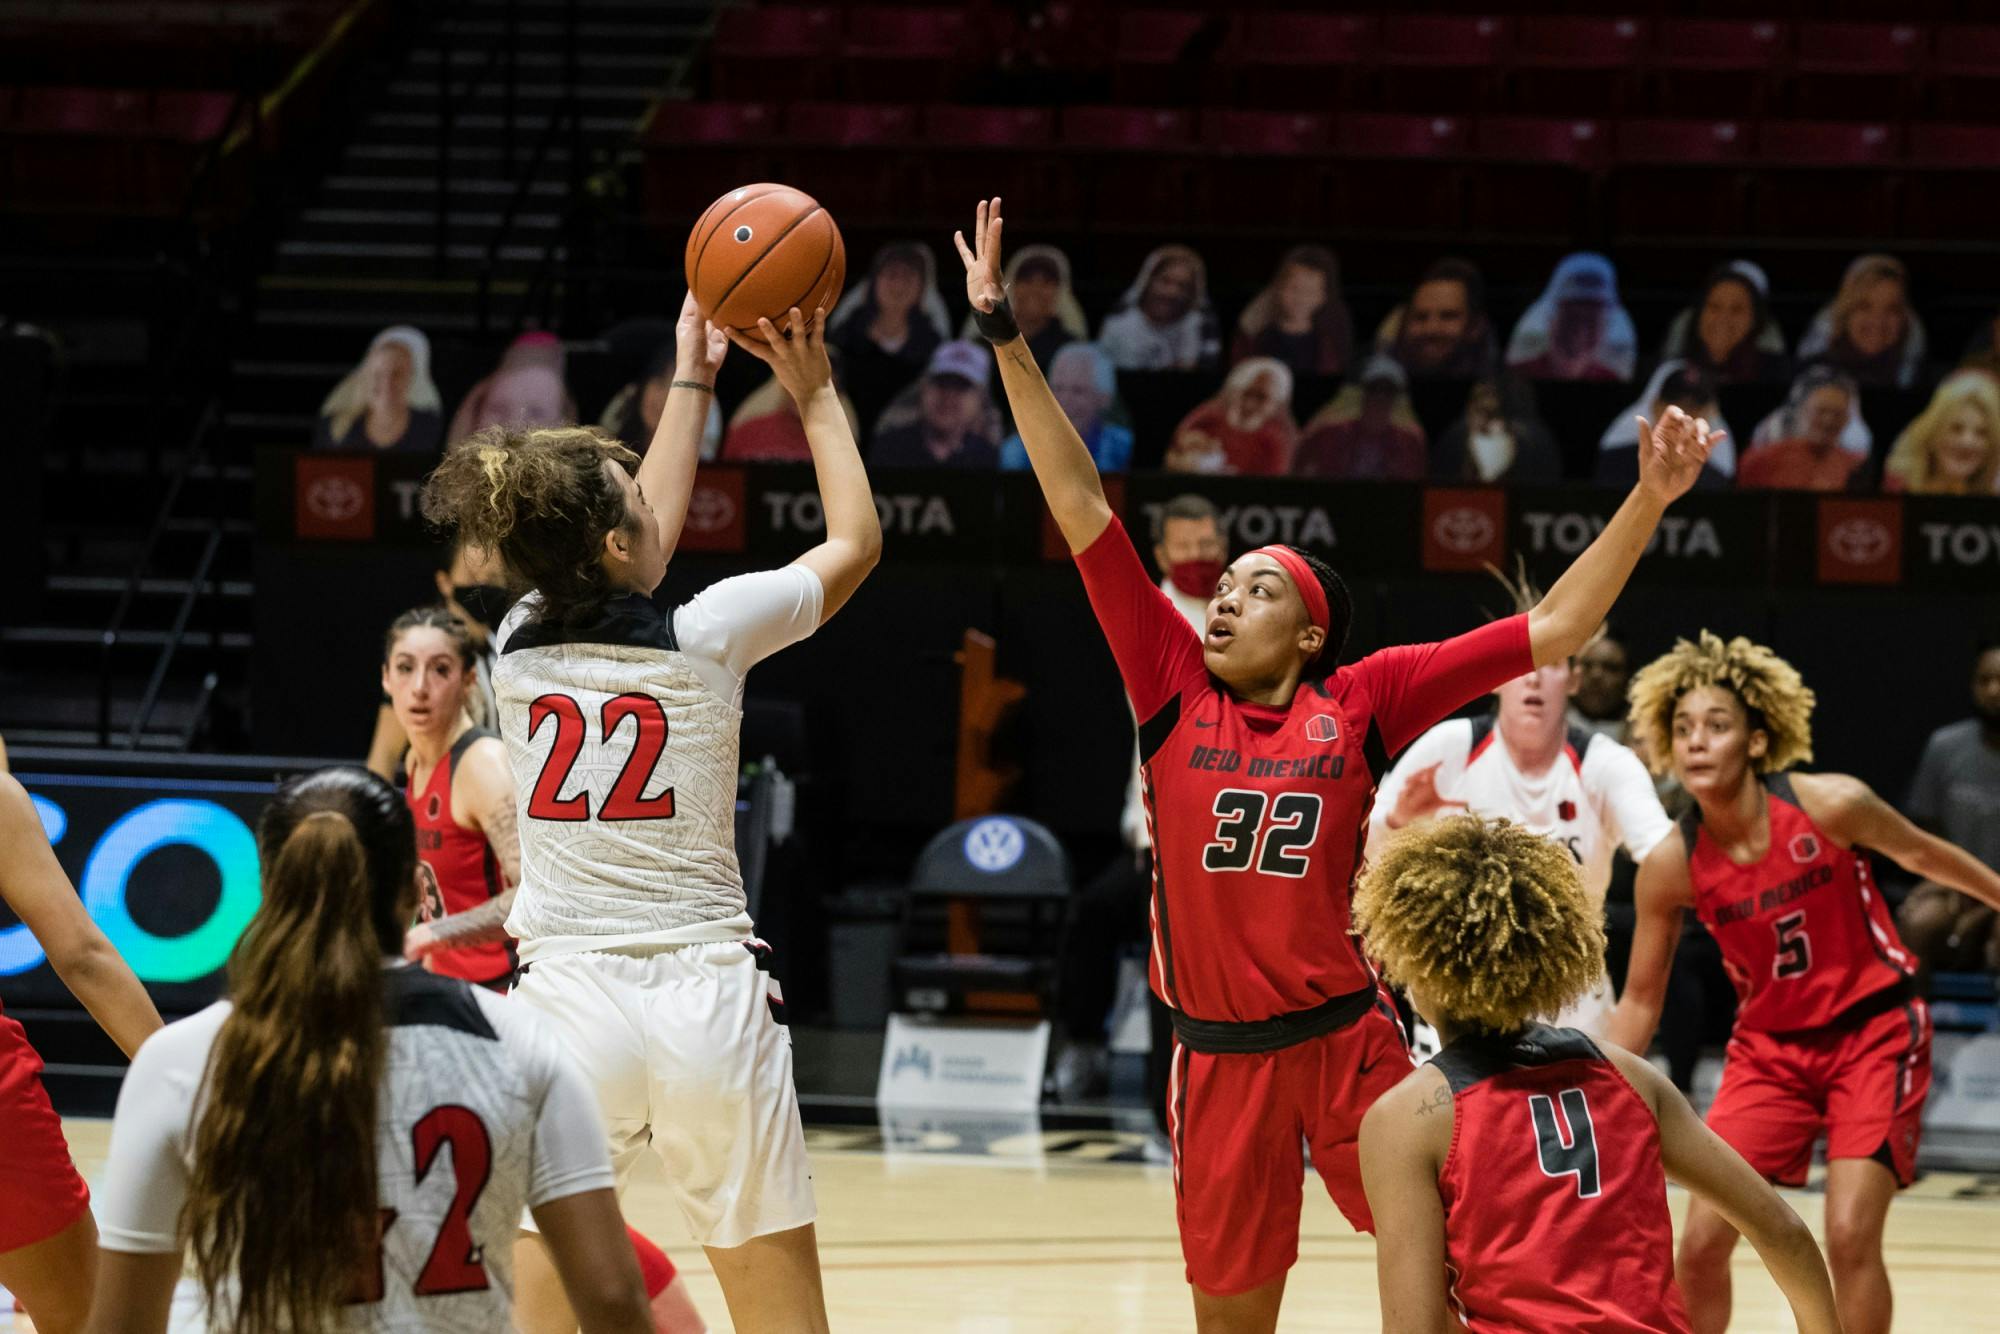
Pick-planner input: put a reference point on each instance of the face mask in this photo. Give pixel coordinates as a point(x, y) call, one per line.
point(484, 603)
point(1492, 450)
point(1195, 578)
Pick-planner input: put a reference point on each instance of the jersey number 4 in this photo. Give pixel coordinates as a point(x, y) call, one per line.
point(455, 1263)
point(1243, 837)
point(625, 801)
point(1575, 1155)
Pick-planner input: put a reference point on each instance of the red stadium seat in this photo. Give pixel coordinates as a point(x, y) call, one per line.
point(1440, 62)
point(1782, 143)
point(1375, 134)
point(1395, 179)
point(1855, 69)
point(81, 111)
point(1965, 71)
point(775, 46)
point(694, 150)
point(1274, 157)
point(1717, 67)
point(1681, 142)
point(1135, 129)
point(1949, 184)
point(1296, 60)
point(1012, 160)
point(193, 117)
point(988, 127)
point(1576, 65)
point(686, 123)
point(1821, 178)
point(1548, 186)
point(1158, 56)
point(850, 124)
point(1266, 133)
point(1953, 147)
point(894, 52)
point(1140, 167)
point(869, 178)
point(1156, 36)
point(1677, 176)
point(1545, 139)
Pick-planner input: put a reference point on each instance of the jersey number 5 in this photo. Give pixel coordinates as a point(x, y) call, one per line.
point(1575, 1156)
point(1293, 825)
point(625, 800)
point(1794, 946)
point(455, 1263)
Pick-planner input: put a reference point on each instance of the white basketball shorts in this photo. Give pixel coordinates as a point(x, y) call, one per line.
point(685, 1055)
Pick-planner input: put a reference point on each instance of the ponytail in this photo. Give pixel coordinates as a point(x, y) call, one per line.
point(282, 1198)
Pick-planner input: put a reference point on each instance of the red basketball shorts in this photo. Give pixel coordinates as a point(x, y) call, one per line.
point(1862, 1085)
point(1237, 1122)
point(40, 1191)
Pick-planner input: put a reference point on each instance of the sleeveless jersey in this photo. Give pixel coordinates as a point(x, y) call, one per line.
point(460, 870)
point(480, 1115)
point(1258, 813)
point(1804, 932)
point(1555, 1200)
point(1595, 797)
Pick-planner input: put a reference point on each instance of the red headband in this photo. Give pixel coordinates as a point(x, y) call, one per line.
point(1304, 579)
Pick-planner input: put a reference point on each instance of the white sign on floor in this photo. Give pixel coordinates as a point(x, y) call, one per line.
point(985, 1066)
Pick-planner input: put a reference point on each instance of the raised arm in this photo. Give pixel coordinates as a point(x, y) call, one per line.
point(1700, 1160)
point(853, 542)
point(1851, 812)
point(488, 784)
point(1670, 459)
point(1661, 893)
point(33, 885)
point(1062, 462)
point(666, 474)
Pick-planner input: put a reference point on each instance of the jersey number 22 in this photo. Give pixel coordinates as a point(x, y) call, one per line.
point(624, 801)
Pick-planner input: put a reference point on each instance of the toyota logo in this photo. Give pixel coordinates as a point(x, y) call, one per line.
point(710, 510)
point(335, 499)
point(1859, 541)
point(1464, 530)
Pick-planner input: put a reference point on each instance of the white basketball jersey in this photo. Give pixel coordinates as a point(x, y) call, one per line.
point(622, 736)
point(480, 1115)
point(1596, 795)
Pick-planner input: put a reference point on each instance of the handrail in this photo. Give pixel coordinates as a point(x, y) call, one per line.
point(507, 41)
point(568, 118)
point(158, 680)
point(197, 447)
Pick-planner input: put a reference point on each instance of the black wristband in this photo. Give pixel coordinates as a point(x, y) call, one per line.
point(996, 326)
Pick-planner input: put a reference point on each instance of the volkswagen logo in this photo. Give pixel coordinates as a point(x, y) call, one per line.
point(994, 845)
point(1859, 541)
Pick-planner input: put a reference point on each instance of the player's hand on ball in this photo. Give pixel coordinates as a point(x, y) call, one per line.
point(982, 257)
point(796, 356)
point(1673, 453)
point(699, 346)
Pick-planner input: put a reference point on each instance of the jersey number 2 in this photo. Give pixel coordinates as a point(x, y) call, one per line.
point(1575, 1156)
point(455, 1263)
point(625, 800)
point(1293, 826)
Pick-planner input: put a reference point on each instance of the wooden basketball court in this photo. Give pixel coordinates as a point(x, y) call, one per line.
point(1039, 1232)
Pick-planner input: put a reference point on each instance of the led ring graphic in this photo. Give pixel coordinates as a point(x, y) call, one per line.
point(214, 830)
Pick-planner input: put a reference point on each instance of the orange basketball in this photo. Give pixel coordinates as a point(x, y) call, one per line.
point(760, 250)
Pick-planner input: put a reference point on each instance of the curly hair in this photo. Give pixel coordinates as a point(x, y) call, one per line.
point(1774, 696)
point(542, 500)
point(1486, 919)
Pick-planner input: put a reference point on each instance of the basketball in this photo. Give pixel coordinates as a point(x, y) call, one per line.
point(761, 250)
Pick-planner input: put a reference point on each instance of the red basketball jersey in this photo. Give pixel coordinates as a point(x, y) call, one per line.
point(463, 869)
point(1555, 1201)
point(1804, 931)
point(1258, 813)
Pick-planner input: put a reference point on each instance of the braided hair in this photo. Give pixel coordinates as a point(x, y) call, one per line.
point(1339, 604)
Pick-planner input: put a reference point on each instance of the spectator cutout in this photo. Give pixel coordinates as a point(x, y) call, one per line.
point(1045, 308)
point(1246, 430)
point(1499, 438)
point(387, 401)
point(766, 427)
point(946, 420)
point(1164, 321)
point(525, 390)
point(1442, 332)
point(1729, 331)
point(1869, 330)
point(897, 315)
point(1084, 382)
point(1299, 318)
point(1674, 384)
point(1368, 432)
point(1817, 441)
point(633, 413)
point(1953, 447)
point(1576, 330)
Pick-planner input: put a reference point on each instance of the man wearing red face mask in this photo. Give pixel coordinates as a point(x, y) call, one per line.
point(1110, 912)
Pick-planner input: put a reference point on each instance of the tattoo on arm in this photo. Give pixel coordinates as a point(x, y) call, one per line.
point(503, 835)
point(1439, 1101)
point(483, 925)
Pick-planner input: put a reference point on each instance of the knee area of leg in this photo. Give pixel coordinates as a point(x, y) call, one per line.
point(1851, 1242)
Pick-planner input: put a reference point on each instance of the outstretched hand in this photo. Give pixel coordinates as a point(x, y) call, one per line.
point(1673, 453)
point(982, 257)
point(699, 346)
point(796, 356)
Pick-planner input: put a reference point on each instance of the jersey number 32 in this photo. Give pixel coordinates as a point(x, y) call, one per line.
point(1244, 838)
point(625, 801)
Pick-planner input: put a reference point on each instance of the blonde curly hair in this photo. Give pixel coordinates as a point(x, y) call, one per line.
point(1777, 699)
point(1486, 919)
